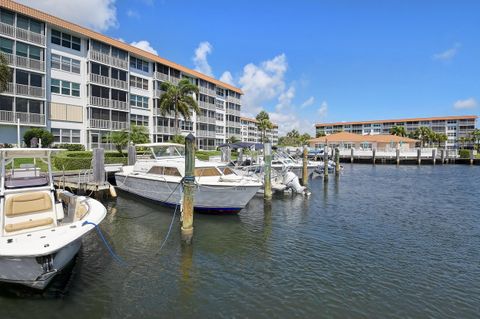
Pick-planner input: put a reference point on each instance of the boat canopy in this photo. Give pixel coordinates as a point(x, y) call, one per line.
point(9, 153)
point(159, 145)
point(256, 146)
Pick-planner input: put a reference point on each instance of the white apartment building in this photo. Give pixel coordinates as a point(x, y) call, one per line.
point(251, 132)
point(81, 85)
point(453, 126)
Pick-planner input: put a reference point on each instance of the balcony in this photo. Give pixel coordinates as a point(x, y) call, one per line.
point(233, 99)
point(99, 79)
point(22, 34)
point(9, 89)
point(116, 125)
point(158, 93)
point(232, 111)
point(119, 105)
point(25, 118)
point(10, 58)
point(31, 64)
point(205, 133)
point(165, 130)
point(120, 63)
point(119, 84)
point(206, 105)
point(233, 124)
point(206, 119)
point(99, 56)
point(208, 91)
point(161, 76)
point(99, 101)
point(174, 80)
point(28, 90)
point(99, 124)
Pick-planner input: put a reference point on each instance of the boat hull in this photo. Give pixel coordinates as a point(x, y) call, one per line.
point(207, 198)
point(37, 271)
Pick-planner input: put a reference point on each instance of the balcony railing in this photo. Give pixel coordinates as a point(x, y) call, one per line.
point(158, 93)
point(119, 125)
point(232, 111)
point(119, 84)
point(207, 105)
point(99, 56)
point(167, 130)
point(174, 80)
point(123, 64)
point(100, 124)
point(161, 76)
point(28, 90)
point(208, 91)
point(25, 118)
point(22, 34)
point(206, 119)
point(233, 99)
point(119, 105)
point(9, 89)
point(205, 133)
point(10, 58)
point(99, 79)
point(28, 63)
point(99, 101)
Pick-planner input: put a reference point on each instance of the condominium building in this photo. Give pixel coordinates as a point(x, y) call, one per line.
point(453, 126)
point(251, 132)
point(81, 85)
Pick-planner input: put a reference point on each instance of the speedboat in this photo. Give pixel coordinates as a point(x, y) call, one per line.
point(158, 176)
point(41, 229)
point(282, 161)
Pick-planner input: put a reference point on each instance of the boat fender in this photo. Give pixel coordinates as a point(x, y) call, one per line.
point(113, 192)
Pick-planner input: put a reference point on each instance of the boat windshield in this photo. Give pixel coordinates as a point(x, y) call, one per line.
point(226, 170)
point(168, 151)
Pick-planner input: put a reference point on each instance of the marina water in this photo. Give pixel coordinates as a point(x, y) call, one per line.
point(381, 241)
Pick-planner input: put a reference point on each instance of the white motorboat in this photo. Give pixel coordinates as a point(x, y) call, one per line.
point(41, 230)
point(281, 161)
point(159, 178)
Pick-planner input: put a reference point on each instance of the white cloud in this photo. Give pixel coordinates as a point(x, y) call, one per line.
point(132, 13)
point(262, 83)
point(227, 78)
point(322, 111)
point(447, 54)
point(465, 104)
point(308, 102)
point(285, 98)
point(144, 45)
point(99, 15)
point(200, 59)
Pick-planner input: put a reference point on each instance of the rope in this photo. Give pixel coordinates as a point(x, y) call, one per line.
point(109, 248)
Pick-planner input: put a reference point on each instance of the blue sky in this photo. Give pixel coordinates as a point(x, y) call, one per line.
point(312, 61)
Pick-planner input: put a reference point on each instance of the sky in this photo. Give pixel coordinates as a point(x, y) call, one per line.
point(307, 61)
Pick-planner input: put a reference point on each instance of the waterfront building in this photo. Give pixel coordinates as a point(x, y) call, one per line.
point(81, 85)
point(346, 140)
point(452, 126)
point(251, 132)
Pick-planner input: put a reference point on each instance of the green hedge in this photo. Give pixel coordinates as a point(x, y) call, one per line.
point(83, 160)
point(464, 153)
point(70, 147)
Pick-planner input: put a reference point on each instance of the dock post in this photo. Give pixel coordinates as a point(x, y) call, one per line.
point(240, 156)
point(98, 164)
point(442, 156)
point(434, 156)
point(305, 166)
point(267, 149)
point(132, 155)
point(447, 156)
point(397, 156)
point(374, 151)
point(471, 157)
point(337, 162)
point(188, 189)
point(419, 156)
point(325, 164)
point(352, 150)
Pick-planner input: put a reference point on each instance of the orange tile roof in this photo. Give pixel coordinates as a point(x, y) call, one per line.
point(352, 137)
point(37, 14)
point(456, 117)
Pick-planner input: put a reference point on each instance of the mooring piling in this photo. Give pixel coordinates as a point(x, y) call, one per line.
point(397, 156)
point(267, 149)
point(188, 190)
point(434, 156)
point(325, 164)
point(98, 164)
point(352, 150)
point(442, 156)
point(132, 155)
point(419, 156)
point(337, 162)
point(305, 166)
point(374, 153)
point(471, 157)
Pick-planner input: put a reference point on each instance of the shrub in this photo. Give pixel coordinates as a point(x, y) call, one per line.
point(464, 153)
point(6, 145)
point(70, 147)
point(40, 133)
point(76, 160)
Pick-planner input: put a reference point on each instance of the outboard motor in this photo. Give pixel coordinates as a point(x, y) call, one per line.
point(291, 180)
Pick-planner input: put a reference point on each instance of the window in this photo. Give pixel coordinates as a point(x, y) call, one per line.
point(6, 103)
point(7, 17)
point(139, 101)
point(186, 125)
point(29, 51)
point(138, 82)
point(26, 78)
point(61, 135)
point(29, 106)
point(139, 64)
point(138, 120)
point(66, 40)
point(65, 87)
point(99, 69)
point(119, 74)
point(219, 116)
point(29, 24)
point(6, 45)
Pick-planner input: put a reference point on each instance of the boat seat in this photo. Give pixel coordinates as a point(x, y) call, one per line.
point(80, 211)
point(36, 202)
point(28, 224)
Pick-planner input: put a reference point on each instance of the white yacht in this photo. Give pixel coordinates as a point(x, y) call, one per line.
point(281, 161)
point(41, 230)
point(158, 176)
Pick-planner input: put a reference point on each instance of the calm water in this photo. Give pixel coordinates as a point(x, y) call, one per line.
point(381, 241)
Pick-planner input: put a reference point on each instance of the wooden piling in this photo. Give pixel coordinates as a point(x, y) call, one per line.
point(434, 156)
point(447, 156)
point(419, 156)
point(442, 156)
point(352, 150)
point(240, 156)
point(305, 166)
point(337, 162)
point(132, 155)
point(98, 164)
point(267, 171)
point(188, 190)
point(325, 164)
point(471, 157)
point(374, 151)
point(397, 156)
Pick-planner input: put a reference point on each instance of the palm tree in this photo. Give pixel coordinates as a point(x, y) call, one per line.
point(441, 138)
point(232, 139)
point(264, 124)
point(424, 134)
point(179, 100)
point(475, 137)
point(398, 131)
point(5, 73)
